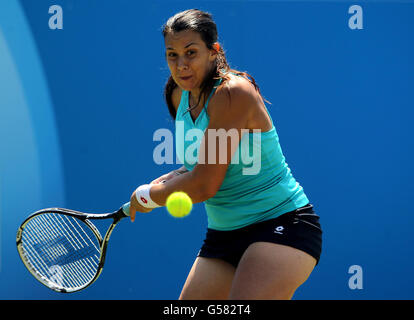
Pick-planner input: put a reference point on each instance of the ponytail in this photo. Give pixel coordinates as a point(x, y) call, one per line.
point(168, 90)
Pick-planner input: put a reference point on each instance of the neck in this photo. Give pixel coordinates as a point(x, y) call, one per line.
point(194, 98)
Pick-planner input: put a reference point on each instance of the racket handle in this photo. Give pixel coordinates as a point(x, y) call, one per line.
point(125, 209)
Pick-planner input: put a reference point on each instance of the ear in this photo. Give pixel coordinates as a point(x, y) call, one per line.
point(214, 51)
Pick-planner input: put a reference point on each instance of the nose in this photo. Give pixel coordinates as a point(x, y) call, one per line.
point(182, 64)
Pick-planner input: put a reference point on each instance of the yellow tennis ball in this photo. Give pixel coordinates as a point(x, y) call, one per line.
point(179, 204)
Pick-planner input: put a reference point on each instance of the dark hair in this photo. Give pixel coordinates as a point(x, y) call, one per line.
point(202, 23)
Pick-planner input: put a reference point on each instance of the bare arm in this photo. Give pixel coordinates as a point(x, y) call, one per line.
point(170, 175)
point(203, 182)
point(232, 108)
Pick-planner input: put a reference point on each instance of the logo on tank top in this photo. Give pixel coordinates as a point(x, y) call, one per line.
point(279, 230)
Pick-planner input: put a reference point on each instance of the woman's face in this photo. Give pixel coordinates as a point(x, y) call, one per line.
point(188, 58)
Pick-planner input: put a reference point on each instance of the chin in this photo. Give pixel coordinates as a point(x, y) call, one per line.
point(186, 86)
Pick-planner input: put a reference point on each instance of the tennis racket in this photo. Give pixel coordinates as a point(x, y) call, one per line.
point(63, 249)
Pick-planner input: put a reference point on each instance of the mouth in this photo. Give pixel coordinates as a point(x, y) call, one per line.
point(186, 78)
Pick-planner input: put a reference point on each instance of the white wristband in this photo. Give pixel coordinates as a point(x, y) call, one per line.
point(143, 196)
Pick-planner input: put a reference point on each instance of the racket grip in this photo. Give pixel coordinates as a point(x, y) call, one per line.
point(125, 209)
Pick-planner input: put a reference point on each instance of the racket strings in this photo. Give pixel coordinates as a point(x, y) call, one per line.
point(61, 249)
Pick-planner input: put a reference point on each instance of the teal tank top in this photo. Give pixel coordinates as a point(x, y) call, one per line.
point(258, 184)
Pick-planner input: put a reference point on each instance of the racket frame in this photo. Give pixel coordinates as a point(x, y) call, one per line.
point(85, 218)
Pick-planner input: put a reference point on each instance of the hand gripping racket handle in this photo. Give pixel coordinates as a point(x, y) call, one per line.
point(125, 207)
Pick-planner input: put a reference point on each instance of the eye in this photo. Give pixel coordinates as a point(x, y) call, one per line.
point(191, 53)
point(171, 54)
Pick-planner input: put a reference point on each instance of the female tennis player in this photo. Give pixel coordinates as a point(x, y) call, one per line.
point(263, 238)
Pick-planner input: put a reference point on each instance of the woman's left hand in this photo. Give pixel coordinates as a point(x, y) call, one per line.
point(135, 206)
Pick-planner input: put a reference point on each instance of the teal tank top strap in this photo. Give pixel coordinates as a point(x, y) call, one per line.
point(268, 113)
point(218, 82)
point(183, 103)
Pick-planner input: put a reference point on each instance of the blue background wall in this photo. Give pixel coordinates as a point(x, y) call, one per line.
point(79, 106)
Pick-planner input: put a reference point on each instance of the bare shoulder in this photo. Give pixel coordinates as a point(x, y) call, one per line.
point(237, 88)
point(237, 98)
point(176, 97)
point(232, 93)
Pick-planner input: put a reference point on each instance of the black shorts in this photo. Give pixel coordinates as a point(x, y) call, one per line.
point(299, 229)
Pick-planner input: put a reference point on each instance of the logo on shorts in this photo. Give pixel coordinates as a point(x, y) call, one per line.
point(279, 230)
